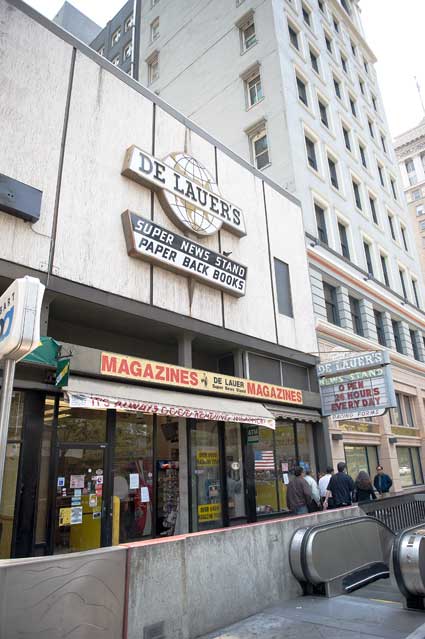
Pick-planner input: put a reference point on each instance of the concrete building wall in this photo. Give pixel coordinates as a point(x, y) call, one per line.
point(70, 18)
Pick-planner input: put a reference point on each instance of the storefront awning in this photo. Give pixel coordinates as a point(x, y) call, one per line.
point(98, 394)
point(296, 414)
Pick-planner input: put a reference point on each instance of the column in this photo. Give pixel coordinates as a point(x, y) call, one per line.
point(238, 362)
point(316, 283)
point(388, 330)
point(184, 359)
point(406, 342)
point(420, 346)
point(368, 320)
point(344, 308)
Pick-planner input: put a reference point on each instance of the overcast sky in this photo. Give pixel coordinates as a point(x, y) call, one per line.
point(394, 30)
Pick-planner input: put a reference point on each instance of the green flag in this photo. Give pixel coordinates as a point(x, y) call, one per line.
point(62, 371)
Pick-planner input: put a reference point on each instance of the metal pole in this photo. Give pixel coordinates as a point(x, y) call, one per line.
point(5, 403)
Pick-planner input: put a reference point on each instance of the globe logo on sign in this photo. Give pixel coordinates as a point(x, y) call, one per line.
point(195, 219)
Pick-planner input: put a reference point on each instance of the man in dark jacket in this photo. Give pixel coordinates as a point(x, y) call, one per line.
point(340, 488)
point(382, 482)
point(298, 494)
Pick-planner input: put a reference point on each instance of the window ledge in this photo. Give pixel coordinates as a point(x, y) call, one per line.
point(249, 108)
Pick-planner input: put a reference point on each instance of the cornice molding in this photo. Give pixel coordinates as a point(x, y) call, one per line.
point(353, 29)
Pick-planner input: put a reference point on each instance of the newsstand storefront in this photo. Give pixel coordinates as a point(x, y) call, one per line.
point(119, 462)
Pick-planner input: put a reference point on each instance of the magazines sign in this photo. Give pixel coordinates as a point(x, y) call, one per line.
point(356, 387)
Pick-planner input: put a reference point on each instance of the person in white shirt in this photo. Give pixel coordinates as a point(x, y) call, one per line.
point(324, 481)
point(314, 487)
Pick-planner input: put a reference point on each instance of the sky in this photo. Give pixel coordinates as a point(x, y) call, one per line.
point(394, 30)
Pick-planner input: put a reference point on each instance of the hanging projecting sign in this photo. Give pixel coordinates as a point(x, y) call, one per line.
point(20, 308)
point(152, 242)
point(187, 191)
point(356, 387)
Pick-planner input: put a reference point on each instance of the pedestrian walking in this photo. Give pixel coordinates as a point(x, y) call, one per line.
point(363, 489)
point(316, 504)
point(323, 484)
point(382, 482)
point(298, 495)
point(340, 488)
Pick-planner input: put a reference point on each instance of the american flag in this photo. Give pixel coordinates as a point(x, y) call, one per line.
point(264, 460)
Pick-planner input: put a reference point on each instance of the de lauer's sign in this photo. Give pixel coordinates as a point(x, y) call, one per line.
point(356, 387)
point(20, 308)
point(157, 244)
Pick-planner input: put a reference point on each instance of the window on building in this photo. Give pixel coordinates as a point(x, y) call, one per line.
point(328, 41)
point(116, 37)
point(344, 63)
point(346, 134)
point(391, 225)
point(362, 87)
point(345, 249)
point(408, 406)
point(321, 5)
point(410, 468)
point(128, 24)
point(293, 37)
point(353, 48)
point(306, 15)
point(155, 29)
point(360, 458)
point(397, 336)
point(260, 149)
point(283, 287)
point(337, 87)
point(393, 188)
point(311, 152)
point(366, 65)
point(353, 106)
point(357, 195)
point(302, 91)
point(247, 34)
point(385, 269)
point(396, 414)
point(423, 160)
point(314, 59)
point(116, 61)
point(420, 210)
point(374, 104)
point(383, 143)
point(372, 204)
point(346, 6)
point(323, 110)
point(333, 172)
point(362, 151)
point(381, 174)
point(332, 314)
point(128, 50)
point(368, 257)
point(410, 166)
point(371, 131)
point(402, 282)
point(379, 322)
point(416, 195)
point(321, 223)
point(254, 89)
point(101, 51)
point(153, 69)
point(415, 291)
point(404, 237)
point(356, 315)
point(415, 348)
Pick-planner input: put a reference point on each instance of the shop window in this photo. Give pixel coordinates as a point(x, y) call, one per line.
point(286, 458)
point(81, 425)
point(410, 468)
point(265, 473)
point(167, 472)
point(10, 477)
point(205, 477)
point(234, 471)
point(360, 458)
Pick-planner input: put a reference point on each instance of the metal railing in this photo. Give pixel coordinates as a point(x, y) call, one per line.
point(399, 511)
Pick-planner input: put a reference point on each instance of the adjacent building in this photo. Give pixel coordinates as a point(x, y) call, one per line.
point(118, 41)
point(176, 282)
point(410, 150)
point(290, 85)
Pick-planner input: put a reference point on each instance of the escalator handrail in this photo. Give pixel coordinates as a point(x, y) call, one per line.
point(332, 524)
point(396, 558)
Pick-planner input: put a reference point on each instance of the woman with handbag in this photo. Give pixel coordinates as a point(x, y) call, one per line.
point(363, 489)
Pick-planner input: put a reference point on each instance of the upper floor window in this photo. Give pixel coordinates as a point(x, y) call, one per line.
point(314, 59)
point(155, 29)
point(302, 91)
point(311, 152)
point(115, 37)
point(294, 36)
point(381, 174)
point(353, 48)
point(283, 286)
point(333, 172)
point(331, 305)
point(344, 63)
point(362, 150)
point(391, 224)
point(420, 210)
point(337, 87)
point(328, 41)
point(379, 322)
point(128, 50)
point(372, 204)
point(414, 343)
point(371, 131)
point(321, 5)
point(368, 257)
point(254, 89)
point(154, 3)
point(383, 143)
point(415, 291)
point(345, 249)
point(323, 110)
point(247, 34)
point(336, 24)
point(397, 336)
point(345, 4)
point(393, 188)
point(385, 269)
point(116, 61)
point(128, 23)
point(416, 195)
point(356, 315)
point(306, 15)
point(346, 134)
point(260, 148)
point(357, 194)
point(353, 106)
point(366, 65)
point(404, 237)
point(402, 282)
point(153, 68)
point(362, 87)
point(101, 51)
point(321, 223)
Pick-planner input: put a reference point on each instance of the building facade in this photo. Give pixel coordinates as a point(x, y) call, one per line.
point(410, 150)
point(290, 85)
point(177, 283)
point(70, 18)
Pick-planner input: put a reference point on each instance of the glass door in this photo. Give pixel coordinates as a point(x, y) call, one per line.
point(79, 503)
point(206, 476)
